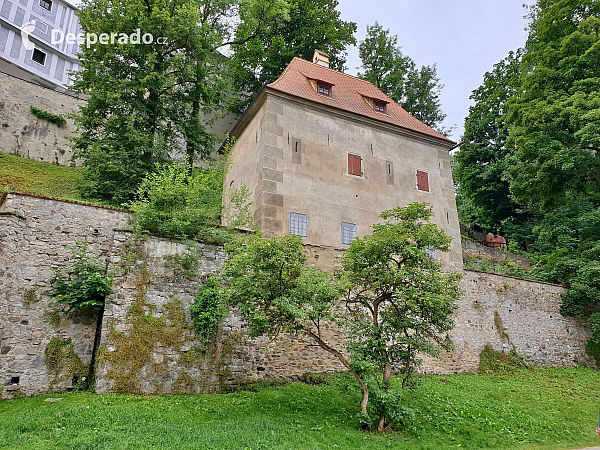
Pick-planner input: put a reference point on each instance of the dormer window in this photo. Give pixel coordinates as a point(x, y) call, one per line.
point(379, 106)
point(324, 88)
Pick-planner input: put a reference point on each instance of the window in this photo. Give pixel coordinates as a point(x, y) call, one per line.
point(41, 26)
point(379, 106)
point(432, 253)
point(38, 56)
point(298, 224)
point(324, 88)
point(422, 181)
point(355, 165)
point(349, 233)
point(46, 4)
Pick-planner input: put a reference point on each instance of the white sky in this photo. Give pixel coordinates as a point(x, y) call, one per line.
point(464, 37)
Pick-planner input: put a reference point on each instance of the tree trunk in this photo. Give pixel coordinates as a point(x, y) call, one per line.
point(387, 376)
point(346, 363)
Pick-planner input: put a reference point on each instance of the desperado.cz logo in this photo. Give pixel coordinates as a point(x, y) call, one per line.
point(89, 39)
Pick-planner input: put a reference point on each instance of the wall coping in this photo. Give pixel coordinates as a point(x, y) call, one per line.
point(515, 278)
point(73, 202)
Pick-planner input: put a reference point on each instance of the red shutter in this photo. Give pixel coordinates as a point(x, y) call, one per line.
point(354, 165)
point(422, 181)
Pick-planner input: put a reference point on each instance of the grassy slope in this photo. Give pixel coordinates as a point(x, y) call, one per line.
point(36, 177)
point(541, 408)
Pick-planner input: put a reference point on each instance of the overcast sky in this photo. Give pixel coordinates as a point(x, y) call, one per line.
point(464, 37)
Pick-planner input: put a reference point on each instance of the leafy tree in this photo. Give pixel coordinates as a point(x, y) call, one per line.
point(399, 301)
point(480, 169)
point(416, 90)
point(554, 123)
point(147, 101)
point(312, 24)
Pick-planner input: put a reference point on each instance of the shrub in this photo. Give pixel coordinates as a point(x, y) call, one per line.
point(57, 120)
point(88, 286)
point(491, 361)
point(207, 311)
point(174, 202)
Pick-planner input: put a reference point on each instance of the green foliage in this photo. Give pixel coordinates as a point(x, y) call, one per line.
point(146, 102)
point(174, 202)
point(309, 25)
point(207, 311)
point(30, 297)
point(400, 301)
point(480, 168)
point(62, 362)
point(266, 280)
point(416, 90)
point(530, 165)
point(491, 361)
point(537, 408)
point(503, 266)
point(87, 285)
point(57, 120)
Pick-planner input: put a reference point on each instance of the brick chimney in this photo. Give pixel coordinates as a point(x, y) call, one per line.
point(321, 58)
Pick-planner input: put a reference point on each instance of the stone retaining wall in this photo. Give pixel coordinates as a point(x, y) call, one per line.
point(147, 344)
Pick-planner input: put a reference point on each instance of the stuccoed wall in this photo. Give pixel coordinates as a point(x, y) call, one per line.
point(147, 342)
point(22, 133)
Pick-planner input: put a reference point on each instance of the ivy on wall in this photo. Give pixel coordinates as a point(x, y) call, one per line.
point(56, 119)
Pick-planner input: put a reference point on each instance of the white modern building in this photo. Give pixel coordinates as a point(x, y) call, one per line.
point(26, 49)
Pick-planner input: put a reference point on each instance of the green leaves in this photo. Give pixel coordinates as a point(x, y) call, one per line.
point(266, 280)
point(87, 286)
point(384, 65)
point(207, 310)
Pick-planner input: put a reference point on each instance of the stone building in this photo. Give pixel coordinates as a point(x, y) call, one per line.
point(26, 48)
point(324, 153)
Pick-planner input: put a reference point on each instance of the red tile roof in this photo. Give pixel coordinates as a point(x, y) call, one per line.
point(348, 93)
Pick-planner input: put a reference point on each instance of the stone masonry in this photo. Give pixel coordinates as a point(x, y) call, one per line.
point(147, 343)
point(22, 133)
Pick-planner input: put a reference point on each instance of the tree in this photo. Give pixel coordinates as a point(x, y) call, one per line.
point(481, 166)
point(554, 129)
point(416, 90)
point(312, 24)
point(398, 300)
point(149, 101)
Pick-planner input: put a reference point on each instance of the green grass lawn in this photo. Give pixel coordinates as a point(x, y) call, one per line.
point(540, 408)
point(36, 177)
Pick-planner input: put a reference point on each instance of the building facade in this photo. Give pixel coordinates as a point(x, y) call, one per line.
point(324, 153)
point(26, 48)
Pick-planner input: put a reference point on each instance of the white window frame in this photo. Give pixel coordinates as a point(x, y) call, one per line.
point(351, 232)
point(362, 165)
point(41, 51)
point(298, 224)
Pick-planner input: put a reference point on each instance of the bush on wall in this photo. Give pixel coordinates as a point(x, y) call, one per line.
point(57, 120)
point(87, 286)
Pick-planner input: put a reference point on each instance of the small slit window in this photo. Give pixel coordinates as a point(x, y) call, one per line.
point(379, 106)
point(422, 181)
point(38, 56)
point(46, 4)
point(298, 224)
point(324, 88)
point(349, 233)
